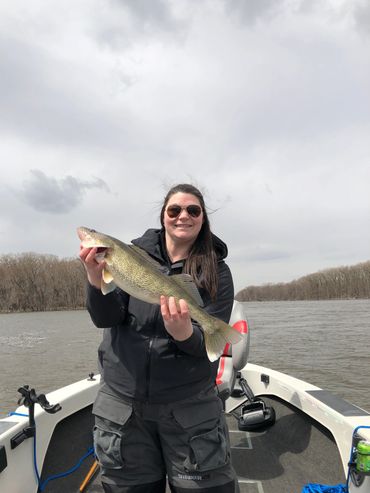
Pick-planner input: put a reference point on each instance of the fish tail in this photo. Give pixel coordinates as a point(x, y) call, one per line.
point(217, 336)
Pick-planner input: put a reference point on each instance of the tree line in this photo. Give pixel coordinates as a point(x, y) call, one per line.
point(33, 282)
point(337, 283)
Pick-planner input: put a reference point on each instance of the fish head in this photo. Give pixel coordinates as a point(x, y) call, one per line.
point(93, 239)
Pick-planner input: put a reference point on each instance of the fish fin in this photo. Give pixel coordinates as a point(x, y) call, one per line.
point(187, 282)
point(107, 283)
point(215, 344)
point(216, 339)
point(107, 288)
point(107, 276)
point(145, 255)
point(231, 334)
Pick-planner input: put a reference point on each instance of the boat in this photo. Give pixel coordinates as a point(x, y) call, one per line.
point(287, 436)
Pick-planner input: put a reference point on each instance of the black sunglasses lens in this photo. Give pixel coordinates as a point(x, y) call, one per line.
point(194, 210)
point(173, 211)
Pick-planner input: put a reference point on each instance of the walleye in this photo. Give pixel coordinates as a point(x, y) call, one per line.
point(135, 272)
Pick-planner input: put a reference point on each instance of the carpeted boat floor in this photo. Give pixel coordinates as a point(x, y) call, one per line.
point(282, 459)
point(285, 457)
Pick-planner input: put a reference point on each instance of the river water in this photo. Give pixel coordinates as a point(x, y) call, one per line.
point(326, 343)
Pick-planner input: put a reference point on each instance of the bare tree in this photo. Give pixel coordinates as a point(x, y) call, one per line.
point(32, 282)
point(339, 283)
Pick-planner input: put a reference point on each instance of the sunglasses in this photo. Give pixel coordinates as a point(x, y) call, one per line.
point(175, 210)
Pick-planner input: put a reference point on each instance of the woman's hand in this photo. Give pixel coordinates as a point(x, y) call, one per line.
point(93, 267)
point(176, 318)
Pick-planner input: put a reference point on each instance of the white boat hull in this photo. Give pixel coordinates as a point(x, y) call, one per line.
point(336, 416)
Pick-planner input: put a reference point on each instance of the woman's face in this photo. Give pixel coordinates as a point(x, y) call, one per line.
point(184, 227)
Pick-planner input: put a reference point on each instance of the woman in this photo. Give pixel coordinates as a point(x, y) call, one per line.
point(157, 413)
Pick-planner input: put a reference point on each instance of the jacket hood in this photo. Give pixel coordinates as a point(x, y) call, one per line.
point(153, 242)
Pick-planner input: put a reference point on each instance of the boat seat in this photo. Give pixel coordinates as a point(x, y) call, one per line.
point(235, 356)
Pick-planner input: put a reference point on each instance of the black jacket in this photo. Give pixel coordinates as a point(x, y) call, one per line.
point(137, 357)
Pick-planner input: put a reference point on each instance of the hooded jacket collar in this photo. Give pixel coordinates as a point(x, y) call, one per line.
point(153, 242)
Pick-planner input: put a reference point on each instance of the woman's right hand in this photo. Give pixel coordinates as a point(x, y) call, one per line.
point(93, 267)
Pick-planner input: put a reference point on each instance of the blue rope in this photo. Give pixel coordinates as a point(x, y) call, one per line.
point(321, 488)
point(35, 459)
point(42, 486)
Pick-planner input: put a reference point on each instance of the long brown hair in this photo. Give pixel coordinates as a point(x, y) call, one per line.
point(201, 263)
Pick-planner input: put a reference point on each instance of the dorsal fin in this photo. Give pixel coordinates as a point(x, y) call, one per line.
point(187, 282)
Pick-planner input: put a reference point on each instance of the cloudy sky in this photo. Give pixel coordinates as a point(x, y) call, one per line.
point(263, 104)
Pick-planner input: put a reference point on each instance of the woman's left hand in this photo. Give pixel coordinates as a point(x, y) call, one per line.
point(176, 318)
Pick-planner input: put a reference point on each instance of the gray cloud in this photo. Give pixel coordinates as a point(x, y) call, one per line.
point(149, 12)
point(248, 12)
point(46, 98)
point(361, 12)
point(57, 196)
point(132, 21)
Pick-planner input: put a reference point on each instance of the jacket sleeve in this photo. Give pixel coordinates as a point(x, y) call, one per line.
point(106, 310)
point(220, 308)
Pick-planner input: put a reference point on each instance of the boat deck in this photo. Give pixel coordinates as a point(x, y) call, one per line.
point(282, 459)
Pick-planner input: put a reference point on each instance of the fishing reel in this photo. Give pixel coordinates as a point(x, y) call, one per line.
point(255, 415)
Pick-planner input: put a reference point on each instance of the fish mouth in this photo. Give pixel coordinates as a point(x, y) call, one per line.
point(100, 253)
